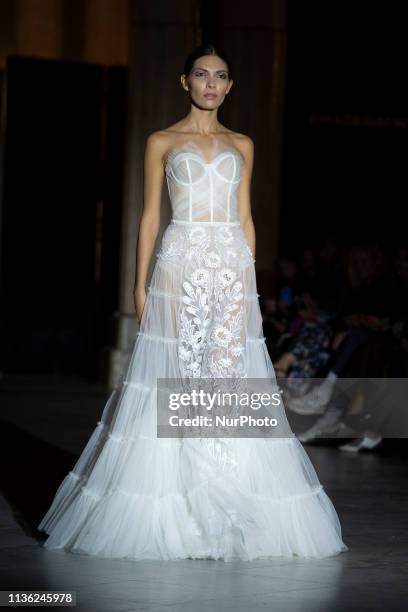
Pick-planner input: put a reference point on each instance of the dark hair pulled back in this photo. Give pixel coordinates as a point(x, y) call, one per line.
point(206, 49)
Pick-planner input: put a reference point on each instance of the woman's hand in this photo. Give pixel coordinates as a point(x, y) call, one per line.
point(140, 300)
point(284, 362)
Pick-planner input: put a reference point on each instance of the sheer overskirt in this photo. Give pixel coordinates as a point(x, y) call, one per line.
point(134, 495)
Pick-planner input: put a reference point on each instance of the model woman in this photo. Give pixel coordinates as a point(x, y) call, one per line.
point(134, 495)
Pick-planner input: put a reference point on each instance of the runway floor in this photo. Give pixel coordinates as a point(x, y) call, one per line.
point(45, 421)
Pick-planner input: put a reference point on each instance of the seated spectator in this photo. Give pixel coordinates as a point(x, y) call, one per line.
point(308, 350)
point(362, 320)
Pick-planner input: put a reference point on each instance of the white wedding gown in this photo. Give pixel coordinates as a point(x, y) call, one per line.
point(134, 495)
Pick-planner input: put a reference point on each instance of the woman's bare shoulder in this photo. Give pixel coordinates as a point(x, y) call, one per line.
point(158, 138)
point(243, 143)
point(242, 139)
point(158, 144)
point(163, 140)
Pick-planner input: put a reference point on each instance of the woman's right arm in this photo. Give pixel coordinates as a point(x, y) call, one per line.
point(150, 220)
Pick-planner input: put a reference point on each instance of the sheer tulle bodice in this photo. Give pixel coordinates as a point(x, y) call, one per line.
point(202, 190)
point(133, 494)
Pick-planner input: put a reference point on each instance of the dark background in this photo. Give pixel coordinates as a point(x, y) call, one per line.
point(63, 169)
point(345, 179)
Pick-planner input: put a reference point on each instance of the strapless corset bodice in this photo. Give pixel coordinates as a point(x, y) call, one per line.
point(201, 190)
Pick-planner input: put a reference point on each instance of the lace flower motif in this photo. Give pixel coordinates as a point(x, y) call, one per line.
point(211, 317)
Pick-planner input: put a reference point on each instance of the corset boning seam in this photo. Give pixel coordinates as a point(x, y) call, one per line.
point(230, 188)
point(211, 198)
point(190, 201)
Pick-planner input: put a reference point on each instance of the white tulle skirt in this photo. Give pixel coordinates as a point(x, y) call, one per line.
point(134, 495)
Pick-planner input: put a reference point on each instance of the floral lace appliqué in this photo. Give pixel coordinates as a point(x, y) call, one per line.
point(211, 335)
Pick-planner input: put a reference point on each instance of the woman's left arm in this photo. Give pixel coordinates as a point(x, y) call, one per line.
point(244, 193)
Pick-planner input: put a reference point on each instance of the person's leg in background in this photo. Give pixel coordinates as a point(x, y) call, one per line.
point(317, 399)
point(369, 415)
point(368, 360)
